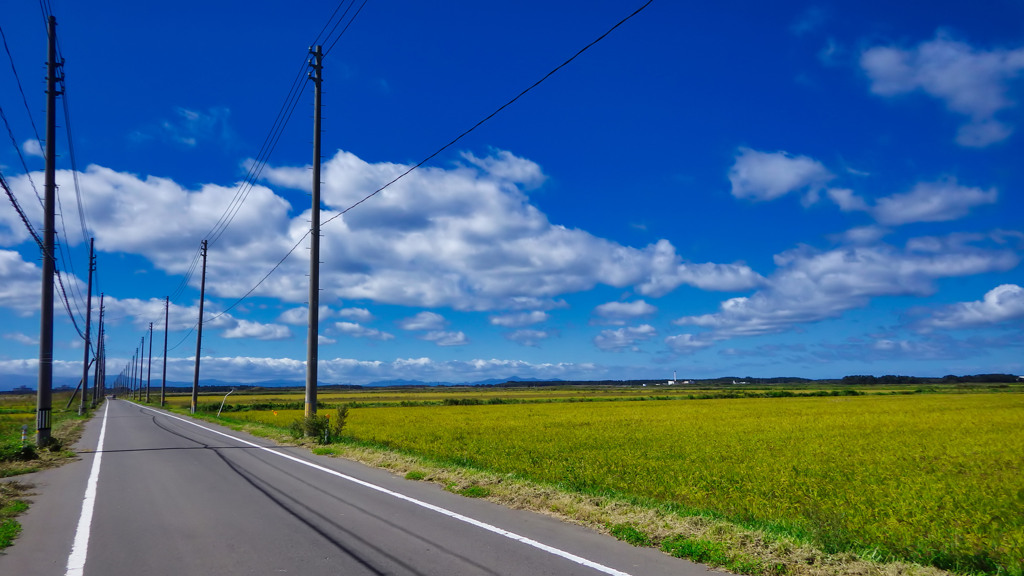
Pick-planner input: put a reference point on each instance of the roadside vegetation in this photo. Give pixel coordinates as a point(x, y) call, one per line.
point(17, 458)
point(806, 480)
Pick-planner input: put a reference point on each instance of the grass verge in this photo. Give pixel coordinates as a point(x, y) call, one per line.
point(18, 460)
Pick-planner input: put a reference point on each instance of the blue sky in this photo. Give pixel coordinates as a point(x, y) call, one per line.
point(737, 188)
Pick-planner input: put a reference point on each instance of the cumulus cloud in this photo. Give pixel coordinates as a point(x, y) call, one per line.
point(357, 314)
point(359, 331)
point(527, 337)
point(1000, 304)
point(624, 338)
point(300, 316)
point(939, 201)
point(467, 237)
point(811, 285)
point(31, 147)
point(22, 339)
point(423, 321)
point(687, 343)
point(620, 313)
point(464, 237)
point(762, 176)
point(19, 283)
point(446, 338)
point(520, 319)
point(257, 330)
point(969, 81)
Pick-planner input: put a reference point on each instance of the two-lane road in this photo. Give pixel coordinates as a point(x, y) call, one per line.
point(173, 496)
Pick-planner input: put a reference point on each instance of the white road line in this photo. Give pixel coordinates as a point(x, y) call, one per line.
point(80, 548)
point(511, 535)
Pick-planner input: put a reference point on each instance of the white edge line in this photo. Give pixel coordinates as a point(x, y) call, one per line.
point(80, 547)
point(400, 496)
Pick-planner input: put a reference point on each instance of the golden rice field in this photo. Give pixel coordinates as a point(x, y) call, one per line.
point(933, 478)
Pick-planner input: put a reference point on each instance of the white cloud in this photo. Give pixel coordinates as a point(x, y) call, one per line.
point(931, 202)
point(300, 316)
point(520, 319)
point(507, 166)
point(344, 370)
point(686, 343)
point(970, 82)
point(810, 286)
point(763, 176)
point(445, 338)
point(31, 147)
point(357, 314)
point(619, 313)
point(423, 321)
point(624, 338)
point(939, 201)
point(861, 235)
point(464, 237)
point(257, 330)
point(528, 337)
point(359, 331)
point(22, 339)
point(1000, 304)
point(468, 238)
point(19, 283)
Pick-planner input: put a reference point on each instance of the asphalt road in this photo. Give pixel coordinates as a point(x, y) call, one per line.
point(172, 496)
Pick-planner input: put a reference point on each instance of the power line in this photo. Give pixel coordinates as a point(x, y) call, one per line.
point(17, 148)
point(438, 151)
point(32, 121)
point(492, 114)
point(20, 89)
point(281, 120)
point(342, 33)
point(17, 207)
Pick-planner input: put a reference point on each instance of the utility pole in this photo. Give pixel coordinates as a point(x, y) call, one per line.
point(313, 335)
point(44, 394)
point(138, 385)
point(88, 324)
point(163, 381)
point(99, 356)
point(149, 369)
point(131, 382)
point(199, 334)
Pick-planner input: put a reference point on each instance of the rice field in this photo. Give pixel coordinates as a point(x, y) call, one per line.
point(932, 478)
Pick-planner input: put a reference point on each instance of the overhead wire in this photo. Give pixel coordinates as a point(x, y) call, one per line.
point(280, 121)
point(21, 213)
point(31, 120)
point(435, 153)
point(492, 114)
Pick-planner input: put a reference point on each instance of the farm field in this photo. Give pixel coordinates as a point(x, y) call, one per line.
point(931, 478)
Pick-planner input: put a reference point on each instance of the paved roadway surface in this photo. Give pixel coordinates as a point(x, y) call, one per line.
point(174, 498)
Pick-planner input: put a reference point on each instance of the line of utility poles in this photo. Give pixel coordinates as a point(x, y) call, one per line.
point(129, 381)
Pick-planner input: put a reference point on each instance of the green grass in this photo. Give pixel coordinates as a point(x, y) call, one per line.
point(630, 534)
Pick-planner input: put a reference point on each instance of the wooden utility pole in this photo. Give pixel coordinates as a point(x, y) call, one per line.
point(199, 334)
point(163, 380)
point(100, 357)
point(88, 324)
point(313, 335)
point(44, 394)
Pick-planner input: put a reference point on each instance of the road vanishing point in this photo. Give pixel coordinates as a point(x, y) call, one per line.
point(157, 494)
